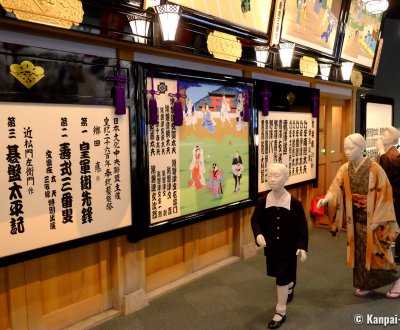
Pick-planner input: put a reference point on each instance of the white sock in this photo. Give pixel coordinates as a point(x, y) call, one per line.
point(282, 293)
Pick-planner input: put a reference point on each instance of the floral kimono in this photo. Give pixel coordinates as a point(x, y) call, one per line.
point(379, 210)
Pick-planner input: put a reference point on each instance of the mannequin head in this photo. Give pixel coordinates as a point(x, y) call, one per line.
point(354, 146)
point(390, 136)
point(277, 176)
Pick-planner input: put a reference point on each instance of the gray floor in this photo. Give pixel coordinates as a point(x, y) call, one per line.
point(241, 296)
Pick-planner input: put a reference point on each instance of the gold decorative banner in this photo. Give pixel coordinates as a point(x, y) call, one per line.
point(224, 46)
point(308, 66)
point(27, 73)
point(59, 13)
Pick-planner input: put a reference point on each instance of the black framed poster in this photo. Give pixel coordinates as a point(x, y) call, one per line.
point(377, 112)
point(65, 170)
point(201, 168)
point(287, 131)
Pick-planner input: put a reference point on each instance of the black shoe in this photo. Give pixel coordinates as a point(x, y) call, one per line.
point(276, 324)
point(290, 295)
point(397, 260)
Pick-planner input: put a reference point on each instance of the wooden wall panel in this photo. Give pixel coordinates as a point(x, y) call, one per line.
point(213, 241)
point(168, 257)
point(4, 298)
point(69, 286)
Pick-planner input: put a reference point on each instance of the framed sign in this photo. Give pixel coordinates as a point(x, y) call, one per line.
point(287, 133)
point(64, 174)
point(251, 14)
point(202, 168)
point(312, 24)
point(362, 34)
point(377, 112)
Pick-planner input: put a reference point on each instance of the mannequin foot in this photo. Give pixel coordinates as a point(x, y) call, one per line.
point(394, 292)
point(363, 293)
point(277, 321)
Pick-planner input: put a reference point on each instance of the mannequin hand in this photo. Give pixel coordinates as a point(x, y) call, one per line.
point(375, 225)
point(303, 255)
point(322, 202)
point(261, 240)
point(380, 147)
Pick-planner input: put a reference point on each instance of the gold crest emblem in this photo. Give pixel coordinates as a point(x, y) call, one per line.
point(59, 13)
point(290, 97)
point(224, 46)
point(27, 73)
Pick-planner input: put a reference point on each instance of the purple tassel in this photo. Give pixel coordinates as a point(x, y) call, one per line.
point(178, 113)
point(265, 109)
point(119, 92)
point(178, 110)
point(153, 116)
point(315, 105)
point(246, 109)
point(119, 97)
point(266, 95)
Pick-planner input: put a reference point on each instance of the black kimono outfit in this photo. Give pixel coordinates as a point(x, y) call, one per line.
point(284, 231)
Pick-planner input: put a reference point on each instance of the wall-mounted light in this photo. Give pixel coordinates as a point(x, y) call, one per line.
point(262, 53)
point(376, 6)
point(169, 15)
point(139, 22)
point(286, 50)
point(325, 70)
point(346, 69)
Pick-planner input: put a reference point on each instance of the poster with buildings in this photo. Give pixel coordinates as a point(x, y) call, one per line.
point(65, 174)
point(203, 164)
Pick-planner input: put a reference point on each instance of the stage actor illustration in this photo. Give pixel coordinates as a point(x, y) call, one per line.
point(280, 226)
point(197, 169)
point(237, 170)
point(215, 181)
point(208, 121)
point(225, 110)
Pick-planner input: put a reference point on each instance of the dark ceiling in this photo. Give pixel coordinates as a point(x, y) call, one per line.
point(394, 9)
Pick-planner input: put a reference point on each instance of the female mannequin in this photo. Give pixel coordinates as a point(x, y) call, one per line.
point(280, 226)
point(389, 159)
point(361, 194)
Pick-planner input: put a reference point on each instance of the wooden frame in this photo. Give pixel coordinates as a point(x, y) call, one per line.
point(288, 133)
point(179, 183)
point(361, 36)
point(251, 15)
point(313, 25)
point(376, 113)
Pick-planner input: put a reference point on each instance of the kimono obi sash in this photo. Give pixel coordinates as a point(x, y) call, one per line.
point(359, 201)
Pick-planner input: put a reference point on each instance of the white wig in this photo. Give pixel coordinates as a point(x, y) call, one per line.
point(358, 140)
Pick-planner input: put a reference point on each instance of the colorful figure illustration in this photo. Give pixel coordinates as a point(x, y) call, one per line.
point(197, 169)
point(245, 5)
point(328, 31)
point(237, 170)
point(208, 121)
point(225, 109)
point(190, 113)
point(240, 123)
point(215, 181)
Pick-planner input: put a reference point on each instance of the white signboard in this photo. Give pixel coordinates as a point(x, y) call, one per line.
point(287, 138)
point(65, 174)
point(379, 116)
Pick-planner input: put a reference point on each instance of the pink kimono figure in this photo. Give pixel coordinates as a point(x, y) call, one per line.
point(361, 195)
point(197, 169)
point(215, 180)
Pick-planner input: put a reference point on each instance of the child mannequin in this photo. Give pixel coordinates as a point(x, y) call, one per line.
point(389, 159)
point(280, 226)
point(361, 194)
